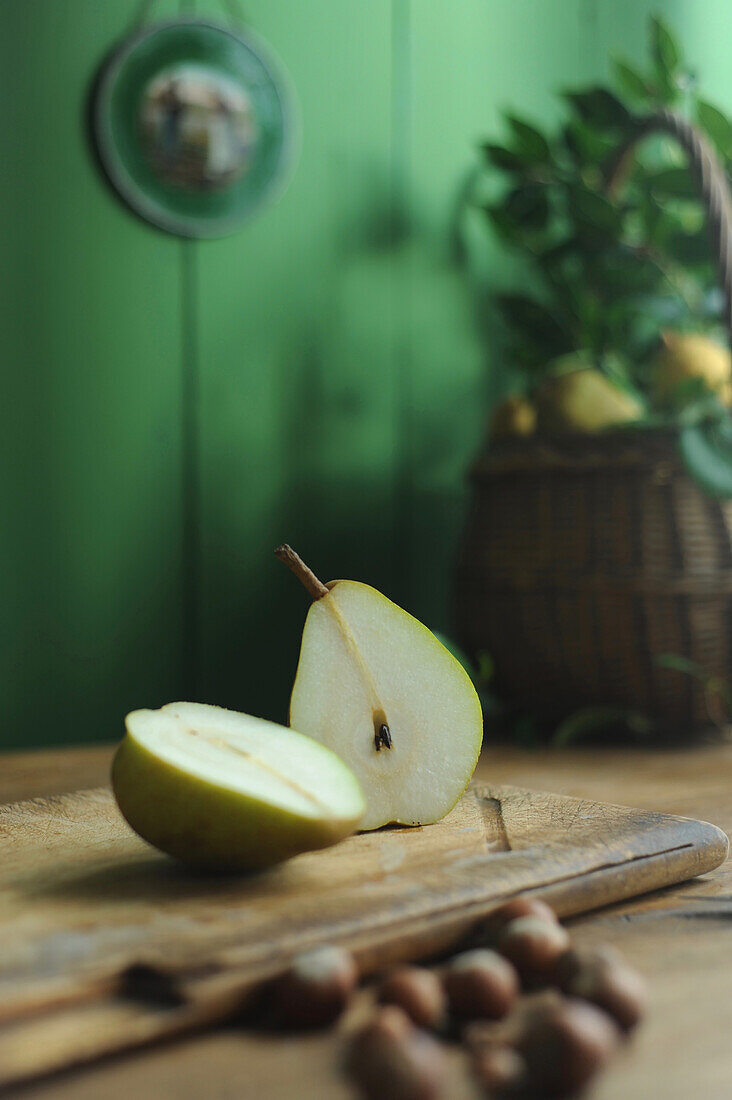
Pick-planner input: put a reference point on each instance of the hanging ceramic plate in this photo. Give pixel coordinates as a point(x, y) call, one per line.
point(194, 126)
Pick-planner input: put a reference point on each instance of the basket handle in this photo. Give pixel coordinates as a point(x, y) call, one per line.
point(711, 181)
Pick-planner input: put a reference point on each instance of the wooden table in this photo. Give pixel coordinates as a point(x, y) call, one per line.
point(681, 938)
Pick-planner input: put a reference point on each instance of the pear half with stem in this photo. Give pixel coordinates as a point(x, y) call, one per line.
point(379, 689)
point(225, 790)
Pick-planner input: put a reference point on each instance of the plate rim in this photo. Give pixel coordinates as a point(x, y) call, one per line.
point(119, 176)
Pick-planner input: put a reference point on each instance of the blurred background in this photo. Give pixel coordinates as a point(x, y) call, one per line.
point(324, 376)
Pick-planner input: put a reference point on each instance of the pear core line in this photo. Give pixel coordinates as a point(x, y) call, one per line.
point(219, 742)
point(317, 590)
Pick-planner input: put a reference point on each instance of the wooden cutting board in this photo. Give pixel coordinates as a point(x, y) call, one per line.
point(107, 945)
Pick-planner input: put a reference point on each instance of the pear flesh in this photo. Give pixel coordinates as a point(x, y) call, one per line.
point(377, 687)
point(224, 790)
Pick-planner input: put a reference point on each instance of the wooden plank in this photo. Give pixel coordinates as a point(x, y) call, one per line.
point(82, 900)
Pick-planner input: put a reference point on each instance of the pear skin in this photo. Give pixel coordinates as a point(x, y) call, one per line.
point(584, 400)
point(684, 356)
point(514, 416)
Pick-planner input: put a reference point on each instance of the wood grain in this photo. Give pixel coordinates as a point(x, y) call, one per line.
point(109, 945)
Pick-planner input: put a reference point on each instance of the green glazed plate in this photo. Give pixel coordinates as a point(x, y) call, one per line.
point(194, 126)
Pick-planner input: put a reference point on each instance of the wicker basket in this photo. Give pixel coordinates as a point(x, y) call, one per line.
point(586, 559)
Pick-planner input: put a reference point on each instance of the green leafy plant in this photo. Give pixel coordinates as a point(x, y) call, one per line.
point(524, 729)
point(717, 691)
point(480, 672)
point(590, 721)
point(608, 271)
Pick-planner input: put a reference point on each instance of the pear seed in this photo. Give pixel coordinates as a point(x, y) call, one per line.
point(382, 737)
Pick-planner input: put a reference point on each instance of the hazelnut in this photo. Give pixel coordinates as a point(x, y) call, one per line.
point(419, 992)
point(534, 946)
point(316, 988)
point(480, 984)
point(565, 1044)
point(480, 1034)
point(391, 1059)
point(499, 1069)
point(489, 929)
point(604, 978)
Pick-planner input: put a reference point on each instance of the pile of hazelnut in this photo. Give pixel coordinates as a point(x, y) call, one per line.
point(578, 1008)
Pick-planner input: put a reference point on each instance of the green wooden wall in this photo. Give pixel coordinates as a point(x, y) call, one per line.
point(173, 410)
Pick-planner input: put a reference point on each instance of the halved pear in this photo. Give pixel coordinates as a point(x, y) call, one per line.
point(225, 790)
point(377, 687)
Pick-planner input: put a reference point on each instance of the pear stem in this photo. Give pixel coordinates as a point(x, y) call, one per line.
point(305, 575)
point(382, 734)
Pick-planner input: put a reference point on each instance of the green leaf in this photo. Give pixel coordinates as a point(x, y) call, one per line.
point(536, 321)
point(689, 249)
point(621, 271)
point(673, 183)
point(505, 159)
point(618, 371)
point(459, 654)
point(595, 216)
point(661, 310)
point(599, 107)
point(526, 731)
point(553, 254)
point(630, 80)
point(664, 48)
point(591, 720)
point(586, 145)
point(712, 685)
point(693, 401)
point(527, 206)
point(682, 664)
point(502, 223)
point(486, 667)
point(525, 354)
point(530, 142)
point(717, 126)
point(706, 451)
point(705, 406)
point(669, 80)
